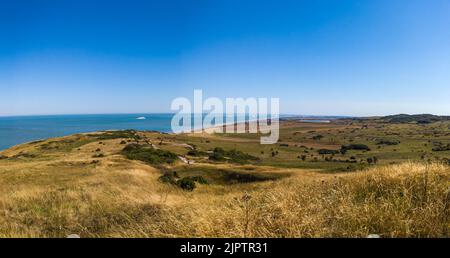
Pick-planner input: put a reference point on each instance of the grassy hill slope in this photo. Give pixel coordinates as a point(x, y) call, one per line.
point(85, 184)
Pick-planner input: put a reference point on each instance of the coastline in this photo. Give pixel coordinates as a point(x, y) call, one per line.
point(25, 129)
point(211, 129)
point(207, 130)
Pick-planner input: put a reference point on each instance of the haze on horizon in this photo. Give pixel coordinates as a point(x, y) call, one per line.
point(355, 58)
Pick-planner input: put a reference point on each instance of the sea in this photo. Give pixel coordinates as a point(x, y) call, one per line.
point(20, 129)
point(16, 130)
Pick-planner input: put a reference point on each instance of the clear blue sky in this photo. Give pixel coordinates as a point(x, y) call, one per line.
point(358, 57)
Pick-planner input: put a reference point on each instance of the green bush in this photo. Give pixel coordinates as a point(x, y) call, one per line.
point(217, 156)
point(200, 180)
point(167, 178)
point(441, 147)
point(186, 183)
point(148, 154)
point(196, 153)
point(388, 142)
point(234, 156)
point(355, 147)
point(326, 151)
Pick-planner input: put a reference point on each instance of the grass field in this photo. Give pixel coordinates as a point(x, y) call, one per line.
point(85, 184)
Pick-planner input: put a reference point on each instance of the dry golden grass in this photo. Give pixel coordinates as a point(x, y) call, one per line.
point(65, 194)
point(408, 200)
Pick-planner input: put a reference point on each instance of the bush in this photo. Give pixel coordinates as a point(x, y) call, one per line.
point(235, 156)
point(388, 142)
point(217, 156)
point(186, 183)
point(317, 137)
point(148, 154)
point(239, 156)
point(167, 178)
point(200, 180)
point(441, 147)
point(326, 151)
point(196, 153)
point(355, 147)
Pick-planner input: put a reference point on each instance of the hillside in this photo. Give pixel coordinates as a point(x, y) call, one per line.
point(421, 118)
point(137, 184)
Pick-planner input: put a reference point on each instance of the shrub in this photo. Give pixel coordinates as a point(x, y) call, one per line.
point(200, 180)
point(186, 183)
point(237, 177)
point(239, 156)
point(167, 178)
point(217, 156)
point(388, 142)
point(235, 156)
point(148, 154)
point(326, 151)
point(355, 147)
point(441, 147)
point(317, 137)
point(196, 153)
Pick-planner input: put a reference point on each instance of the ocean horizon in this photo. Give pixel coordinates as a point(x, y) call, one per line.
point(16, 130)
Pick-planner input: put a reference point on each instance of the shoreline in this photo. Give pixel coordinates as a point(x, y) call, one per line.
point(198, 131)
point(211, 129)
point(208, 130)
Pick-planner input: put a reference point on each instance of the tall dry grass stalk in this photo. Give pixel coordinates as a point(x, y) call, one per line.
point(407, 200)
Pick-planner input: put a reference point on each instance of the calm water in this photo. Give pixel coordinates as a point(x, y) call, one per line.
point(21, 129)
point(314, 121)
point(16, 130)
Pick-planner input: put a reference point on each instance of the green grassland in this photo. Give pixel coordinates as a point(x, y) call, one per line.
point(415, 142)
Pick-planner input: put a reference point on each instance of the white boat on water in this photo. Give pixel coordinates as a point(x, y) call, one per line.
point(141, 118)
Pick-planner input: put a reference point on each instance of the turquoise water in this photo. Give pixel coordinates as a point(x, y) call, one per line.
point(21, 129)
